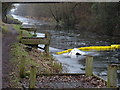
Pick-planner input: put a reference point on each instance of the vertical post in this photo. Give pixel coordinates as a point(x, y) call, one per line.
point(47, 48)
point(47, 36)
point(35, 30)
point(89, 66)
point(35, 35)
point(112, 76)
point(22, 67)
point(20, 35)
point(32, 77)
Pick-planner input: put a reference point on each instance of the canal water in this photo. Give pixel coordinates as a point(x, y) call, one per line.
point(62, 39)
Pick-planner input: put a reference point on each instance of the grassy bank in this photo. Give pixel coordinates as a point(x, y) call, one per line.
point(4, 28)
point(44, 63)
point(11, 20)
point(25, 33)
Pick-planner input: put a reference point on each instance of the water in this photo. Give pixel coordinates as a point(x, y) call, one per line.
point(66, 39)
point(63, 39)
point(28, 21)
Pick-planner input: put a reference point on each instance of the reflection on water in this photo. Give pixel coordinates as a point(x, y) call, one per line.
point(62, 39)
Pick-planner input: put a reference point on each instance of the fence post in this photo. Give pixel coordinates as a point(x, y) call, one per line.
point(32, 77)
point(89, 66)
point(22, 67)
point(118, 66)
point(47, 36)
point(35, 35)
point(20, 36)
point(112, 76)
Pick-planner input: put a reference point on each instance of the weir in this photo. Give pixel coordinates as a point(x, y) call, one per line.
point(35, 41)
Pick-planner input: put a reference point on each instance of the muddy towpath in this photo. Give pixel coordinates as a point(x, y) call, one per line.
point(7, 40)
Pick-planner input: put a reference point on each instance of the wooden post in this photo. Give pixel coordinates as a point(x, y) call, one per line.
point(35, 35)
point(22, 67)
point(47, 36)
point(32, 77)
point(46, 48)
point(89, 66)
point(35, 30)
point(112, 76)
point(118, 66)
point(20, 36)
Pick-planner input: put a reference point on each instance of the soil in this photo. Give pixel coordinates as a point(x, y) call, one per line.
point(7, 40)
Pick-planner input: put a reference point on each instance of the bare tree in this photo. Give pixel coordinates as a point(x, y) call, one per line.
point(5, 8)
point(63, 12)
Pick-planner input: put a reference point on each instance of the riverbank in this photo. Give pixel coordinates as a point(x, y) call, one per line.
point(12, 56)
point(64, 60)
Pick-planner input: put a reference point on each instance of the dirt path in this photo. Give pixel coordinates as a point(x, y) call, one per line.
point(7, 40)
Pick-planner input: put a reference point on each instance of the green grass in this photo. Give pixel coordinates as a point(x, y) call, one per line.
point(48, 59)
point(4, 28)
point(11, 20)
point(18, 50)
point(24, 32)
point(45, 63)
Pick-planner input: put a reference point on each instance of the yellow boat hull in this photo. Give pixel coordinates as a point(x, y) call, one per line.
point(94, 48)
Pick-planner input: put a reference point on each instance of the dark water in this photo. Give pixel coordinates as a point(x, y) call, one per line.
point(62, 39)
